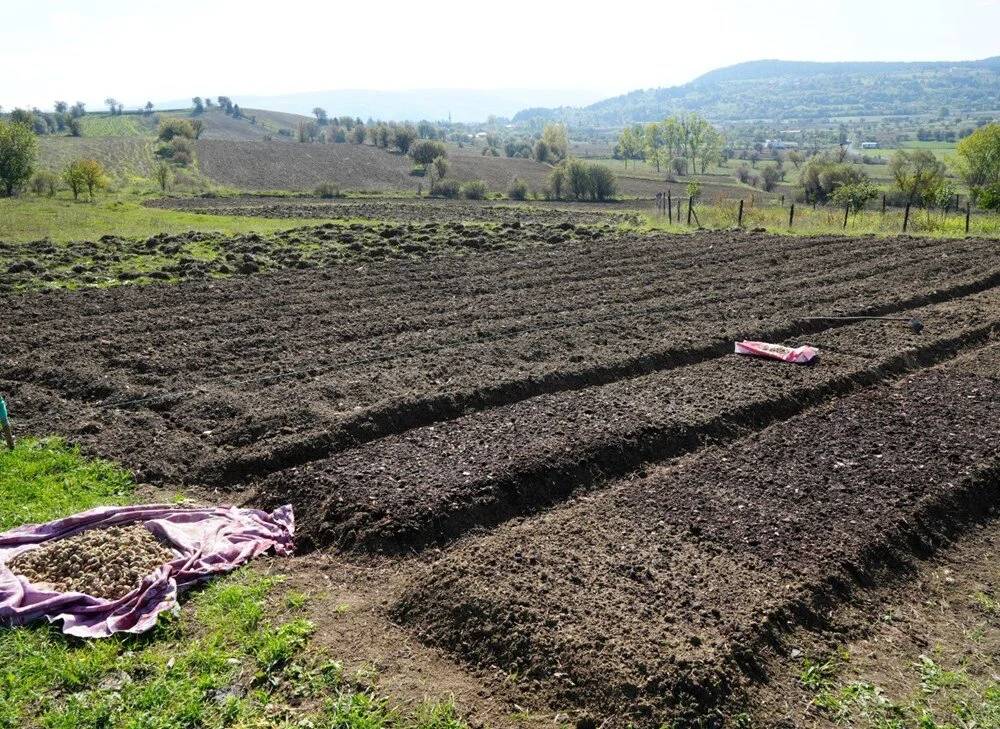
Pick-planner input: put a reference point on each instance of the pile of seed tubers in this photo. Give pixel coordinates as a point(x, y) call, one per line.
point(107, 563)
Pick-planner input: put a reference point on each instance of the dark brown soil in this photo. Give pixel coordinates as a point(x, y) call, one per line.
point(649, 600)
point(215, 382)
point(432, 483)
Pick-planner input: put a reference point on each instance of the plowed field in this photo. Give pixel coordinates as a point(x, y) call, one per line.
point(604, 501)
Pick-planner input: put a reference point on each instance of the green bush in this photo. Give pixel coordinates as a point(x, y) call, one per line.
point(171, 128)
point(446, 188)
point(518, 190)
point(475, 190)
point(603, 185)
point(327, 190)
point(45, 183)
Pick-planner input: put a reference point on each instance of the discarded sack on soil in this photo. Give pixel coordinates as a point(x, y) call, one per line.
point(797, 355)
point(116, 568)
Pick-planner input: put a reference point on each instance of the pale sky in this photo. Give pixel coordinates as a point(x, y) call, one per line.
point(137, 50)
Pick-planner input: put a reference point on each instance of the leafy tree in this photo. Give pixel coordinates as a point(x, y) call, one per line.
point(61, 107)
point(78, 109)
point(197, 127)
point(518, 148)
point(630, 145)
point(170, 128)
point(679, 165)
point(822, 175)
point(694, 189)
point(653, 152)
point(163, 175)
point(112, 104)
point(557, 181)
point(23, 117)
point(554, 136)
point(425, 152)
point(918, 174)
point(770, 177)
point(795, 157)
point(18, 152)
point(441, 166)
point(978, 164)
point(199, 105)
point(855, 195)
point(75, 128)
point(541, 151)
point(425, 130)
point(320, 114)
point(602, 182)
point(403, 136)
point(148, 109)
point(357, 135)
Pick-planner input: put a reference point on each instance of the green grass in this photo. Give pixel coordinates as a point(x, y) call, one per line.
point(61, 219)
point(943, 699)
point(124, 125)
point(45, 479)
point(826, 220)
point(229, 659)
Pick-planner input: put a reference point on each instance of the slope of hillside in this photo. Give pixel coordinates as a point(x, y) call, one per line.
point(801, 90)
point(281, 166)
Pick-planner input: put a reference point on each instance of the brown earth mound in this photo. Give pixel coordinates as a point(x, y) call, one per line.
point(647, 602)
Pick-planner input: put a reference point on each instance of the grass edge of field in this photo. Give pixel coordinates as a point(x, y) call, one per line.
point(235, 654)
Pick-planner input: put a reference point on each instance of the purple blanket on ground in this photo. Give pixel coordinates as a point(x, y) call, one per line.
point(205, 541)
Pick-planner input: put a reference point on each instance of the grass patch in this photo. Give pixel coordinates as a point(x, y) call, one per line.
point(228, 659)
point(120, 125)
point(62, 219)
point(46, 479)
point(826, 220)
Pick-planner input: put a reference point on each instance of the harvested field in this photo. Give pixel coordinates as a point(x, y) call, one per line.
point(238, 378)
point(402, 210)
point(649, 601)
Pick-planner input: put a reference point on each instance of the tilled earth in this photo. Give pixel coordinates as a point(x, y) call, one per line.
point(198, 256)
point(607, 505)
point(220, 381)
point(403, 210)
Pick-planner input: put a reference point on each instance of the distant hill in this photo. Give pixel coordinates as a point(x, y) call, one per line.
point(800, 90)
point(462, 105)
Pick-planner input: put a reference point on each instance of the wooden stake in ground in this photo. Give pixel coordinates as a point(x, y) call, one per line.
point(847, 210)
point(739, 219)
point(906, 217)
point(968, 215)
point(8, 434)
point(791, 215)
point(690, 208)
point(670, 208)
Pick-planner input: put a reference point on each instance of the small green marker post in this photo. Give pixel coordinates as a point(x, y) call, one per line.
point(5, 424)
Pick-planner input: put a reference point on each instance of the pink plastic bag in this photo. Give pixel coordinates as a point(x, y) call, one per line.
point(206, 541)
point(798, 355)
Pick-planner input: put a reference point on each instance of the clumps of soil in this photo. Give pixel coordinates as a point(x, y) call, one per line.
point(193, 256)
point(106, 563)
point(423, 209)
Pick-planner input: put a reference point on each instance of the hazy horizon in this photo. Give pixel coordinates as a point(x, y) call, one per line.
point(74, 51)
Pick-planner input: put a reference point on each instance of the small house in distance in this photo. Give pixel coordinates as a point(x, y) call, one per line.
point(869, 145)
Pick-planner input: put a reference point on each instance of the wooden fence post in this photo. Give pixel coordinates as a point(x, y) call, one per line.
point(739, 219)
point(906, 217)
point(968, 215)
point(847, 210)
point(670, 209)
point(690, 208)
point(791, 215)
point(883, 203)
